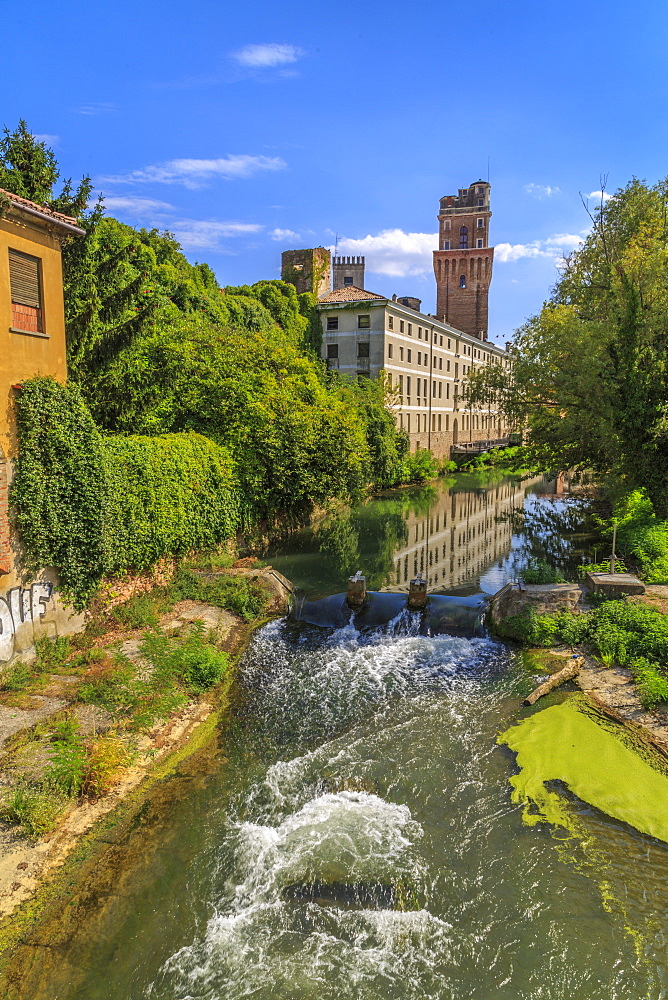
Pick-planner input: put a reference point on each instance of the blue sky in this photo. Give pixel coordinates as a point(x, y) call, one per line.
point(250, 128)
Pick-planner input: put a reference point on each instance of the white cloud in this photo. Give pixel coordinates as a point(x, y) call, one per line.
point(267, 55)
point(208, 234)
point(554, 247)
point(99, 108)
point(50, 140)
point(541, 190)
point(284, 234)
point(132, 205)
point(394, 252)
point(600, 195)
point(193, 173)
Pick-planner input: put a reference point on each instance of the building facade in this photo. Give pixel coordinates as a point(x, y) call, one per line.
point(464, 259)
point(427, 361)
point(32, 342)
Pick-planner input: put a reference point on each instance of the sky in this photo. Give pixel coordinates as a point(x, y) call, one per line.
point(250, 128)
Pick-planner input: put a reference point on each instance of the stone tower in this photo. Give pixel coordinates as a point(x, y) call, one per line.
point(348, 271)
point(463, 261)
point(308, 270)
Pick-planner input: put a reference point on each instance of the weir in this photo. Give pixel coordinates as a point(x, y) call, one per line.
point(431, 614)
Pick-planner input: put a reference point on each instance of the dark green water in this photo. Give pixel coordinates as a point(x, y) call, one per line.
point(370, 759)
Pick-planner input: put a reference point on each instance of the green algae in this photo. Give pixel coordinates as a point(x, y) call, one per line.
point(567, 743)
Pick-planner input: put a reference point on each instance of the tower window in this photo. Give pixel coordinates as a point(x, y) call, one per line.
point(462, 281)
point(463, 237)
point(446, 244)
point(446, 224)
point(479, 243)
point(480, 223)
point(480, 202)
point(332, 322)
point(347, 280)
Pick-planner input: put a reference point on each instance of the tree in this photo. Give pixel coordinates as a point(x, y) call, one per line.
point(590, 373)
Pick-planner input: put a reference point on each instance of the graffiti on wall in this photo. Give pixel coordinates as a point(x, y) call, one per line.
point(21, 606)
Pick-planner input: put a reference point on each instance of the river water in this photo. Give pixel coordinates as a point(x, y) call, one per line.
point(357, 837)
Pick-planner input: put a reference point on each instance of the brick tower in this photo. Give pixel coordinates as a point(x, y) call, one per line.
point(308, 270)
point(463, 261)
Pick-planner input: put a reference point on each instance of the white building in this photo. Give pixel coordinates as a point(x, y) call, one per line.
point(427, 361)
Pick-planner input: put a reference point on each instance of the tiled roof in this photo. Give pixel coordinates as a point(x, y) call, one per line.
point(349, 294)
point(44, 210)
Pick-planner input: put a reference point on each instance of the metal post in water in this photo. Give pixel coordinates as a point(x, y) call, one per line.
point(417, 593)
point(356, 595)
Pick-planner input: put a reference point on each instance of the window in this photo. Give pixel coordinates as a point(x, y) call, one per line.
point(26, 288)
point(401, 326)
point(479, 244)
point(446, 224)
point(480, 223)
point(446, 244)
point(463, 237)
point(433, 389)
point(363, 349)
point(426, 359)
point(440, 390)
point(419, 333)
point(389, 350)
point(435, 338)
point(419, 357)
point(332, 322)
point(408, 388)
point(363, 322)
point(347, 280)
point(439, 424)
point(401, 385)
point(448, 366)
point(440, 341)
point(332, 350)
point(480, 202)
point(433, 363)
point(447, 390)
point(401, 354)
point(449, 344)
point(410, 329)
point(409, 354)
point(440, 364)
point(390, 322)
point(462, 281)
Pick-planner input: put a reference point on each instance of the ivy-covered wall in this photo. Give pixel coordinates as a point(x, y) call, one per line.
point(89, 505)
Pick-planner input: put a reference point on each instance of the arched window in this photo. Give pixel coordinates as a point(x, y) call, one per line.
point(463, 237)
point(462, 281)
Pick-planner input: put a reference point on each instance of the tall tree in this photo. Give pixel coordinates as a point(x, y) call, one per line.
point(590, 373)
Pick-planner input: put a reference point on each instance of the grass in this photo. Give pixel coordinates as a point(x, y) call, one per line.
point(541, 572)
point(33, 807)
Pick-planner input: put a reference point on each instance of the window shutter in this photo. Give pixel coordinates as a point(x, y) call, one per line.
point(24, 279)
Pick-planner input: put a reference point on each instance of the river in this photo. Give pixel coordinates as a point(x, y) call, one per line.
point(356, 837)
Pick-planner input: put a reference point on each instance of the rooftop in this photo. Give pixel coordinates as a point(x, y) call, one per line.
point(34, 208)
point(349, 294)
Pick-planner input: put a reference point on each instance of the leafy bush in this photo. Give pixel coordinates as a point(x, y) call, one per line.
point(107, 755)
point(192, 661)
point(52, 654)
point(16, 677)
point(237, 594)
point(419, 466)
point(652, 685)
point(541, 572)
point(642, 535)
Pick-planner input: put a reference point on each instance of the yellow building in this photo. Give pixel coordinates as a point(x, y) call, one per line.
point(32, 342)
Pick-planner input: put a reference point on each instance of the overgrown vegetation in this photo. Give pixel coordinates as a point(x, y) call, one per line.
point(619, 632)
point(541, 572)
point(193, 410)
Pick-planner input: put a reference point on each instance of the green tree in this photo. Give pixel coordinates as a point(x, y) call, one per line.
point(589, 378)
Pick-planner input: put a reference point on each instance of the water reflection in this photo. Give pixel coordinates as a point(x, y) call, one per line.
point(465, 533)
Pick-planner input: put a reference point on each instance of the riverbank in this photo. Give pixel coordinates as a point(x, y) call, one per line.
point(48, 719)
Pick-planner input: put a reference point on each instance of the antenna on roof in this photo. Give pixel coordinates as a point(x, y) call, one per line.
point(336, 245)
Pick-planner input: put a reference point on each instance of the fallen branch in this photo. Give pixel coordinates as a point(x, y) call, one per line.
point(567, 673)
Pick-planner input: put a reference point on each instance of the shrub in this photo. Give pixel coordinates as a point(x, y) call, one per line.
point(237, 594)
point(192, 661)
point(419, 466)
point(52, 653)
point(541, 572)
point(107, 756)
point(17, 677)
point(652, 685)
